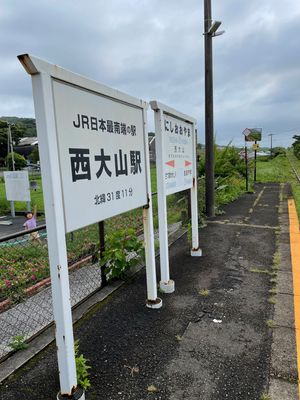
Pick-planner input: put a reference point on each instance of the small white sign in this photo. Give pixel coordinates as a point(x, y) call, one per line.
point(176, 148)
point(178, 156)
point(101, 147)
point(17, 185)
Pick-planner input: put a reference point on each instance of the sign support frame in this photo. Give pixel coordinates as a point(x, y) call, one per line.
point(42, 74)
point(45, 119)
point(166, 284)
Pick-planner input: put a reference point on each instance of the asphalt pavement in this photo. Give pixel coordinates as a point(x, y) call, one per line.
point(211, 339)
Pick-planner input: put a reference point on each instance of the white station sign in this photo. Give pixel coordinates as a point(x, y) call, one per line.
point(17, 185)
point(177, 147)
point(101, 147)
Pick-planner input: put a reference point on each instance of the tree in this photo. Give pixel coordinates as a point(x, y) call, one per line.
point(296, 146)
point(34, 156)
point(17, 132)
point(20, 161)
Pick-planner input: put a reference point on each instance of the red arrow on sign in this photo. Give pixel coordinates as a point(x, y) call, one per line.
point(171, 163)
point(186, 163)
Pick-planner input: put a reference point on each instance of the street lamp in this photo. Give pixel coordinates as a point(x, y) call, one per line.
point(210, 31)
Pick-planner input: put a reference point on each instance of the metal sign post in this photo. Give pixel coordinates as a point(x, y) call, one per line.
point(95, 164)
point(176, 171)
point(251, 135)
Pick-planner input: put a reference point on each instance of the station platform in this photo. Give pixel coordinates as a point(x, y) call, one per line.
point(227, 332)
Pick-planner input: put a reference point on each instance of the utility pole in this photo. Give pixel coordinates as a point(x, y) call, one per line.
point(10, 145)
point(210, 31)
point(209, 116)
point(271, 135)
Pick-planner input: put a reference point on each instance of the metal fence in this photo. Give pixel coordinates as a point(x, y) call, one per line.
point(25, 287)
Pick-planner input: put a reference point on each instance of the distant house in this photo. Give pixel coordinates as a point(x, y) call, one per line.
point(26, 145)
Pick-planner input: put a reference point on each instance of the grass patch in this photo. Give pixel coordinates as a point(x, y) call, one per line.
point(260, 271)
point(178, 338)
point(270, 323)
point(273, 291)
point(203, 292)
point(279, 170)
point(265, 396)
point(276, 260)
point(272, 300)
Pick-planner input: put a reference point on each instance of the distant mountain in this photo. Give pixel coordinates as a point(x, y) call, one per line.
point(27, 123)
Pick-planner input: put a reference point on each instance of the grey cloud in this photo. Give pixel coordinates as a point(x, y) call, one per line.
point(154, 49)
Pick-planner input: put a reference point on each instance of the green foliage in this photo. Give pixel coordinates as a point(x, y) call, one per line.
point(81, 368)
point(19, 160)
point(18, 343)
point(34, 156)
point(21, 267)
point(278, 151)
point(279, 169)
point(227, 163)
point(123, 249)
point(17, 132)
point(296, 146)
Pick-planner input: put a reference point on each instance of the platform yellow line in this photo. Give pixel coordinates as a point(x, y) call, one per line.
point(295, 257)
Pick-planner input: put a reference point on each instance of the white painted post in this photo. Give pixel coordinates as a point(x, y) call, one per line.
point(45, 119)
point(12, 209)
point(166, 285)
point(28, 206)
point(152, 300)
point(195, 251)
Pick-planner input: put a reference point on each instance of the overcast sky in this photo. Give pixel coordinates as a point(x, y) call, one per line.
point(153, 49)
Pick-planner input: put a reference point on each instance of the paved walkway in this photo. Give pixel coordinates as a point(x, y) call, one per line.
point(15, 226)
point(211, 339)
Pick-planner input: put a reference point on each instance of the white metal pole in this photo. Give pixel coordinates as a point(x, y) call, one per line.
point(12, 209)
point(152, 300)
point(45, 118)
point(166, 285)
point(195, 251)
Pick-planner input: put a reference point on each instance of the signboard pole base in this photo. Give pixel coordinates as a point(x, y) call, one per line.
point(152, 300)
point(79, 394)
point(196, 253)
point(167, 287)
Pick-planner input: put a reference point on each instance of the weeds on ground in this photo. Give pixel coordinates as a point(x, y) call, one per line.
point(270, 323)
point(152, 389)
point(203, 292)
point(259, 271)
point(265, 396)
point(273, 291)
point(18, 343)
point(81, 368)
point(276, 260)
point(272, 300)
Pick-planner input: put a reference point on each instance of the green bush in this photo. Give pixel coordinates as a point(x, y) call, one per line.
point(20, 161)
point(34, 156)
point(296, 146)
point(81, 368)
point(227, 163)
point(278, 151)
point(123, 249)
